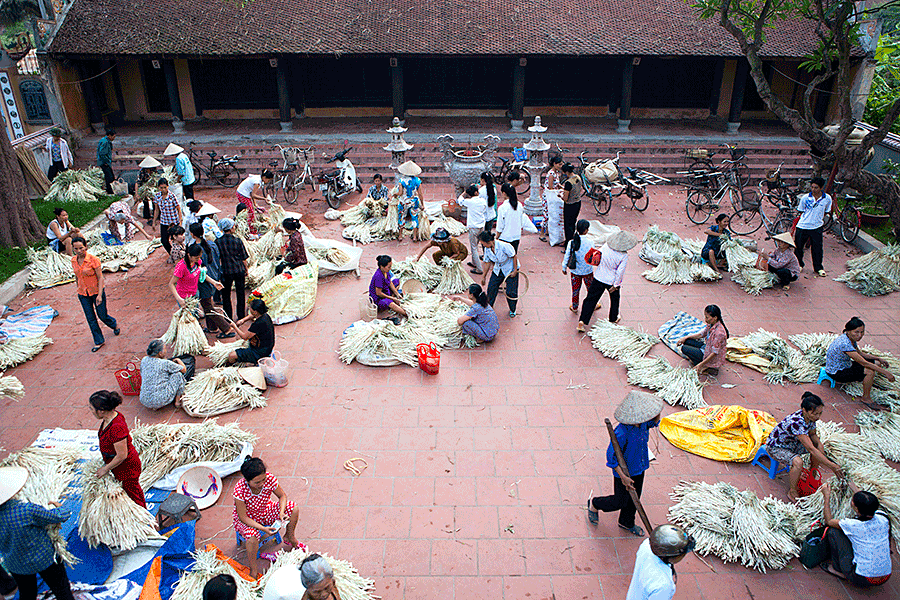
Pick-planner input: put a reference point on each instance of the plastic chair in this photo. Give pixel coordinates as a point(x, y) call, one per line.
point(263, 540)
point(774, 467)
point(823, 376)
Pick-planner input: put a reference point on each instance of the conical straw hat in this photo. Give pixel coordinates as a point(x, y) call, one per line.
point(409, 168)
point(638, 407)
point(12, 479)
point(621, 241)
point(150, 163)
point(786, 238)
point(254, 376)
point(201, 484)
point(173, 149)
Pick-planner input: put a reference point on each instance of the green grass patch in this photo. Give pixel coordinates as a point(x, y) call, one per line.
point(13, 260)
point(882, 232)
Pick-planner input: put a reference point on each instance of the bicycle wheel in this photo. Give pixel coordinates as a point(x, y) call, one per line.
point(849, 220)
point(745, 222)
point(225, 175)
point(641, 203)
point(698, 207)
point(601, 200)
point(526, 187)
point(289, 188)
point(331, 196)
point(828, 222)
point(782, 225)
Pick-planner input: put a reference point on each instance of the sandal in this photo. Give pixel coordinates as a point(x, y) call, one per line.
point(592, 514)
point(117, 331)
point(827, 568)
point(225, 336)
point(269, 556)
point(574, 308)
point(635, 530)
point(95, 348)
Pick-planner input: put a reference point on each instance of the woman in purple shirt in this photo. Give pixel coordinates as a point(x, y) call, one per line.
point(383, 287)
point(480, 321)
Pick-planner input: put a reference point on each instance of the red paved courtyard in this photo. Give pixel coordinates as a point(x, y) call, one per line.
point(478, 476)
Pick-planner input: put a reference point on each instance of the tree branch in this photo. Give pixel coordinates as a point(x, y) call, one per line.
point(877, 135)
point(760, 24)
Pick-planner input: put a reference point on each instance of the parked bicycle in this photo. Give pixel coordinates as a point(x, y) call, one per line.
point(221, 170)
point(291, 177)
point(707, 192)
point(777, 218)
point(608, 178)
point(504, 166)
point(848, 219)
point(701, 160)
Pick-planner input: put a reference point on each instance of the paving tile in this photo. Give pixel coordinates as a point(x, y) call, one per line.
point(539, 588)
point(454, 557)
point(501, 557)
point(427, 588)
point(578, 587)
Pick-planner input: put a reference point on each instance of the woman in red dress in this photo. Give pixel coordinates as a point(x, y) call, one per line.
point(115, 445)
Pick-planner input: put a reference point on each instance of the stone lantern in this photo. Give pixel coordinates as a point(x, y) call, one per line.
point(535, 165)
point(397, 146)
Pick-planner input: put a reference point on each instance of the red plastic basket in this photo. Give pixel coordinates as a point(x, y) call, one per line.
point(429, 358)
point(129, 379)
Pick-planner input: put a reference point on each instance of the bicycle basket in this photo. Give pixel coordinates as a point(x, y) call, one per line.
point(520, 154)
point(750, 201)
point(738, 153)
point(697, 153)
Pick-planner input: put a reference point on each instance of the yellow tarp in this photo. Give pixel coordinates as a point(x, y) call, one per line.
point(726, 433)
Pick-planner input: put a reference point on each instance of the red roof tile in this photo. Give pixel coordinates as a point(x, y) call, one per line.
point(528, 27)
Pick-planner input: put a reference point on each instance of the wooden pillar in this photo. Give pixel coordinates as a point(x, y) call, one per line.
point(518, 96)
point(174, 96)
point(716, 94)
point(397, 89)
point(625, 105)
point(284, 97)
point(90, 101)
point(737, 95)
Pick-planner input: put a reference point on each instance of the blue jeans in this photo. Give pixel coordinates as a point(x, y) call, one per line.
point(92, 311)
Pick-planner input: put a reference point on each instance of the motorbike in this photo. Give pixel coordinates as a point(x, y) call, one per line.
point(337, 183)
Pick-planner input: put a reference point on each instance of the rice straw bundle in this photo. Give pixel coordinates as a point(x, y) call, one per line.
point(425, 271)
point(219, 390)
point(694, 247)
point(422, 232)
point(390, 224)
point(185, 333)
point(442, 323)
point(332, 214)
point(883, 430)
point(885, 397)
point(421, 305)
point(50, 472)
point(674, 268)
point(673, 384)
point(736, 254)
point(664, 243)
point(108, 516)
point(868, 283)
point(336, 256)
point(454, 278)
point(378, 337)
point(218, 352)
point(881, 265)
point(814, 345)
point(164, 447)
point(49, 268)
point(206, 566)
point(350, 584)
point(261, 272)
point(363, 211)
point(619, 342)
point(275, 215)
point(784, 362)
point(752, 279)
point(15, 351)
point(11, 387)
point(359, 232)
point(704, 272)
point(267, 247)
point(453, 227)
point(242, 226)
point(73, 185)
point(735, 525)
point(120, 257)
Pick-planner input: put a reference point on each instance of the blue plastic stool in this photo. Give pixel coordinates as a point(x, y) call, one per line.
point(774, 468)
point(262, 540)
point(823, 376)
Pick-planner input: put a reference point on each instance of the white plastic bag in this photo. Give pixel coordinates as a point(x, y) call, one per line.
point(555, 229)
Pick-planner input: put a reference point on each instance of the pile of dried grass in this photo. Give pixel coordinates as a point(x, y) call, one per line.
point(752, 280)
point(76, 185)
point(785, 362)
point(619, 342)
point(875, 273)
point(217, 391)
point(813, 345)
point(454, 278)
point(425, 271)
point(883, 430)
point(11, 387)
point(15, 351)
point(218, 352)
point(48, 268)
point(675, 385)
point(108, 516)
point(185, 333)
point(165, 447)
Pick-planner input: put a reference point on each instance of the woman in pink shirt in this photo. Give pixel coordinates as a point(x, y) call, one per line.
point(708, 355)
point(186, 276)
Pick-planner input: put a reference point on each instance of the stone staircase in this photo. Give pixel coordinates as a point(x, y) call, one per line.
point(657, 156)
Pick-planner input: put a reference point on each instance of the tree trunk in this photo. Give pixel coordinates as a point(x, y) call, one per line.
point(19, 225)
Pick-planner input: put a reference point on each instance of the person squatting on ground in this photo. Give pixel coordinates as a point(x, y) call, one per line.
point(60, 232)
point(795, 436)
point(383, 290)
point(637, 414)
point(260, 334)
point(860, 548)
point(708, 355)
point(480, 321)
point(294, 254)
point(255, 514)
point(783, 262)
point(312, 579)
point(574, 261)
point(162, 380)
point(712, 249)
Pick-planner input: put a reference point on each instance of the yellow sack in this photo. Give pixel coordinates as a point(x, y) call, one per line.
point(737, 351)
point(726, 433)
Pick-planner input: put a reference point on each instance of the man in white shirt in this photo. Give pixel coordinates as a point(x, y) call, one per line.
point(183, 168)
point(813, 207)
point(654, 567)
point(501, 263)
point(476, 216)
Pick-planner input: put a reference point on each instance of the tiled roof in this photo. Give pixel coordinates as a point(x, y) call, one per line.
point(528, 27)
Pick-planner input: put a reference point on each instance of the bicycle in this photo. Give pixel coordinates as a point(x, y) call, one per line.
point(848, 219)
point(747, 223)
point(701, 160)
point(286, 178)
point(507, 166)
point(221, 170)
point(705, 198)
